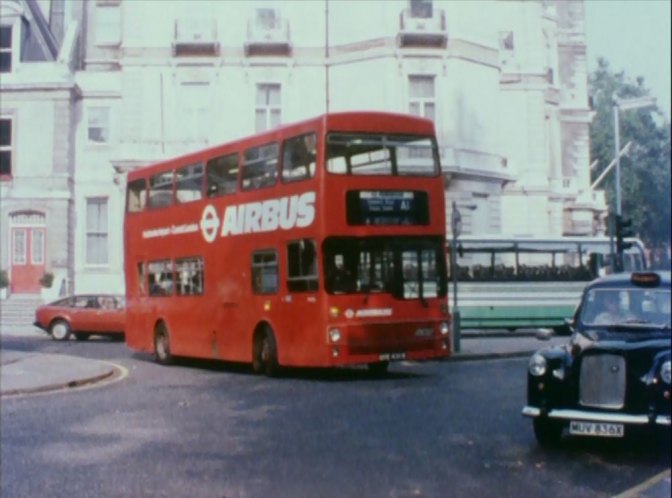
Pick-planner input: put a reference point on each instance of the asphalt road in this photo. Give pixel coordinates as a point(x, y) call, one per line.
point(200, 429)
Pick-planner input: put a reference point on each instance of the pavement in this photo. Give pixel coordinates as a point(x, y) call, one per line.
point(25, 373)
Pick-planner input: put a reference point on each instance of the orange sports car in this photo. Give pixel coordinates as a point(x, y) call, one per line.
point(83, 316)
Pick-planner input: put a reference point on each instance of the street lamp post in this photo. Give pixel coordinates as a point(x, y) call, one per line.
point(624, 105)
point(456, 228)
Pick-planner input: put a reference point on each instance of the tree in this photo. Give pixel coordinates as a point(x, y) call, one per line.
point(645, 170)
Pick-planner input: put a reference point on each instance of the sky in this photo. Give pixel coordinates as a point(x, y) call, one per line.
point(634, 36)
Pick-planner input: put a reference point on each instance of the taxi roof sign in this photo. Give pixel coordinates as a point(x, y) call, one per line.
point(645, 279)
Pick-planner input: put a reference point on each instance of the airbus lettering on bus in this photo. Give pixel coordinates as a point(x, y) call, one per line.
point(316, 244)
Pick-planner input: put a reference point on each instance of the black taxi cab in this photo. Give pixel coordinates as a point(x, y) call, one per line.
point(614, 374)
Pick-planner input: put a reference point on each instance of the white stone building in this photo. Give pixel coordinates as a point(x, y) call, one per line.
point(504, 81)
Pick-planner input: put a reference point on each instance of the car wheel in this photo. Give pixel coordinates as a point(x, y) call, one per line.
point(162, 345)
point(60, 330)
point(548, 432)
point(81, 336)
point(378, 368)
point(265, 353)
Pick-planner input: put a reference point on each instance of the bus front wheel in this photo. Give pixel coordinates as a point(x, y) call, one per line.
point(265, 353)
point(162, 345)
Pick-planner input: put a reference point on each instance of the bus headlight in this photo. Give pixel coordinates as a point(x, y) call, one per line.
point(444, 328)
point(537, 365)
point(666, 372)
point(334, 335)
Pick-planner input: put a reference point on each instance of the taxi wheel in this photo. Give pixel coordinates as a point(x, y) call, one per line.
point(60, 330)
point(265, 353)
point(547, 432)
point(162, 345)
point(82, 337)
point(378, 368)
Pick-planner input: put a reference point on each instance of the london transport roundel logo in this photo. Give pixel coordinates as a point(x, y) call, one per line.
point(209, 223)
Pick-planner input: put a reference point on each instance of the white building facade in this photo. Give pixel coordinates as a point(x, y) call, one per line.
point(504, 81)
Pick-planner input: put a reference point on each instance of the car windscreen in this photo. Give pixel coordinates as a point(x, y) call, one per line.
point(627, 306)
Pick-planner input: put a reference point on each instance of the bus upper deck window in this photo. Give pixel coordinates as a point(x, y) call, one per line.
point(136, 196)
point(222, 175)
point(260, 167)
point(189, 183)
point(298, 157)
point(161, 190)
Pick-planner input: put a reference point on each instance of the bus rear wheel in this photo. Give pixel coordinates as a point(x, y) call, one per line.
point(265, 353)
point(162, 345)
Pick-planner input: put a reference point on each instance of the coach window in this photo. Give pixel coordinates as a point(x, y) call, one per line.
point(189, 273)
point(161, 190)
point(260, 167)
point(189, 183)
point(265, 272)
point(302, 266)
point(298, 157)
point(160, 278)
point(136, 196)
point(222, 175)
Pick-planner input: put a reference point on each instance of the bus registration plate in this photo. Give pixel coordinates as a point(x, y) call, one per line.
point(392, 356)
point(595, 429)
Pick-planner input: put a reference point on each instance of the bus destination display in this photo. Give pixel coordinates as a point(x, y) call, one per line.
point(387, 207)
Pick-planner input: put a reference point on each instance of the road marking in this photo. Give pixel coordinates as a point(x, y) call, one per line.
point(633, 492)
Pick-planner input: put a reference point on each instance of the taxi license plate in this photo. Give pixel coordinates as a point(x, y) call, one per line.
point(392, 356)
point(595, 429)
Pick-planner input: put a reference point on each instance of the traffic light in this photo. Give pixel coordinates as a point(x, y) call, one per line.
point(623, 230)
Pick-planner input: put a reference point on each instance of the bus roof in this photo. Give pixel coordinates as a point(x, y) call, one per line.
point(352, 122)
point(550, 240)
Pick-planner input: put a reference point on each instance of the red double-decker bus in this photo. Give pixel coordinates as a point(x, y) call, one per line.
point(319, 243)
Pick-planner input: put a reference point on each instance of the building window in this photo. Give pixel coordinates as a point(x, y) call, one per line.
point(422, 100)
point(194, 117)
point(96, 231)
point(107, 25)
point(5, 147)
point(267, 110)
point(99, 125)
point(5, 49)
point(268, 19)
point(421, 9)
point(37, 246)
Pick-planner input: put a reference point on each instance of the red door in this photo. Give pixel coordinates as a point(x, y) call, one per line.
point(27, 259)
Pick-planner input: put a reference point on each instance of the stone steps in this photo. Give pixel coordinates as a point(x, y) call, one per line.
point(18, 311)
